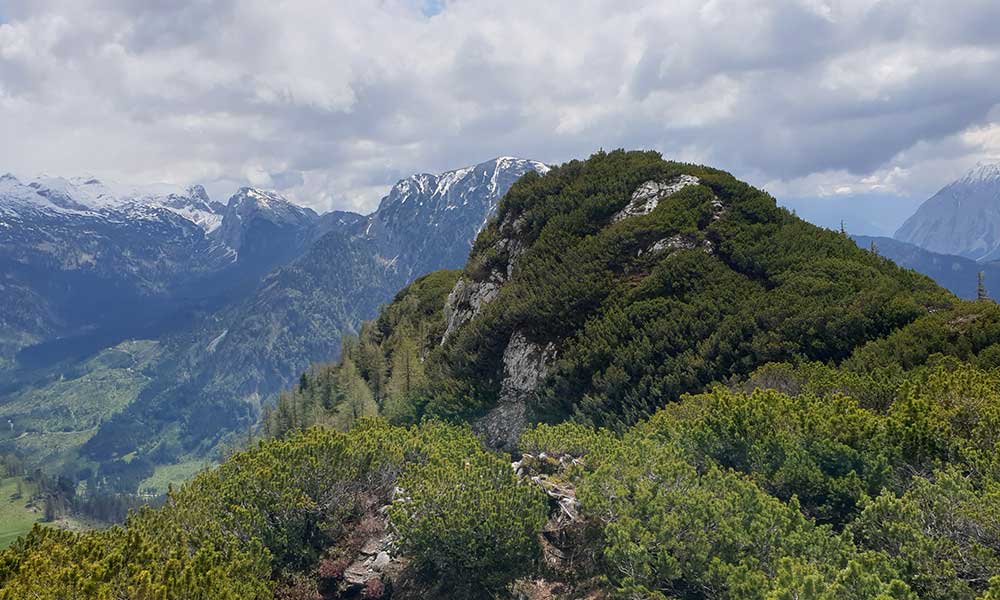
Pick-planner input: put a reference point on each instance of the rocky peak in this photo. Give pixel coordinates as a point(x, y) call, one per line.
point(280, 223)
point(409, 221)
point(963, 218)
point(253, 203)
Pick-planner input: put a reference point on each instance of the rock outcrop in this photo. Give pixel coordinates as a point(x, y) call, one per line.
point(649, 194)
point(525, 365)
point(469, 296)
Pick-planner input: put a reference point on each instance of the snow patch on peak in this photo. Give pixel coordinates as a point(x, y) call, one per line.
point(251, 201)
point(90, 196)
point(448, 180)
point(982, 173)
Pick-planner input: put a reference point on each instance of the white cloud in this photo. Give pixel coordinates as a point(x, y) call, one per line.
point(333, 101)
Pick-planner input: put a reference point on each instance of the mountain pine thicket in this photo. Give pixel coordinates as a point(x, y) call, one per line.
point(737, 405)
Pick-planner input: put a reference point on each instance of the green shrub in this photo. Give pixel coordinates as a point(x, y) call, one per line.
point(469, 523)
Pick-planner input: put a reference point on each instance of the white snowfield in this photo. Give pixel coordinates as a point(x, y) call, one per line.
point(87, 195)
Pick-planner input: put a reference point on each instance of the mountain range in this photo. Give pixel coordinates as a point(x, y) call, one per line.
point(708, 398)
point(148, 326)
point(152, 323)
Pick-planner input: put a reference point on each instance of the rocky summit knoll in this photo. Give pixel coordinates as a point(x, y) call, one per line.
point(607, 288)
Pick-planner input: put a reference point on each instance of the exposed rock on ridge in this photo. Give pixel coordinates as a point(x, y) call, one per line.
point(649, 194)
point(469, 296)
point(525, 365)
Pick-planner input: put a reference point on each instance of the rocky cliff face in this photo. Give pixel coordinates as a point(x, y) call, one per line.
point(525, 365)
point(962, 219)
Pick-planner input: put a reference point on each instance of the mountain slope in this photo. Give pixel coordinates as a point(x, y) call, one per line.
point(962, 219)
point(215, 377)
point(957, 273)
point(610, 287)
point(428, 222)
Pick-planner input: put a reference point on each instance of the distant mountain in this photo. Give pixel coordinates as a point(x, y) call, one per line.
point(259, 289)
point(428, 222)
point(957, 273)
point(87, 267)
point(962, 219)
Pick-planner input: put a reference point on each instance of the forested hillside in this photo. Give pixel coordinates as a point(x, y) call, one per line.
point(609, 287)
point(696, 396)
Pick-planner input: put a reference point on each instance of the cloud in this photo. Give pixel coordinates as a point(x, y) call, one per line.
point(332, 102)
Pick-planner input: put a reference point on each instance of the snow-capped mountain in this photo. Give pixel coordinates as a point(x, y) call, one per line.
point(110, 262)
point(429, 222)
point(267, 217)
point(962, 219)
point(87, 195)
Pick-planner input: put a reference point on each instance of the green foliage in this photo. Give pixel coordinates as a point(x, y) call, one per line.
point(874, 389)
point(826, 452)
point(469, 522)
point(155, 558)
point(272, 512)
point(968, 331)
point(380, 372)
point(740, 284)
point(671, 532)
point(943, 534)
point(948, 414)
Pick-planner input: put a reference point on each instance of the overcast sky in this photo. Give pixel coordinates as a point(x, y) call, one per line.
point(331, 101)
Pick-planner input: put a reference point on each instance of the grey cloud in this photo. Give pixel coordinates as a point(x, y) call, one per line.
point(287, 179)
point(333, 100)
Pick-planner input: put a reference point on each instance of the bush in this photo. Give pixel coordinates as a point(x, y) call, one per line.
point(469, 523)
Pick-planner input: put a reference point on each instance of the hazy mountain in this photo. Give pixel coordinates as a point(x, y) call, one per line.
point(962, 219)
point(260, 288)
point(861, 214)
point(957, 273)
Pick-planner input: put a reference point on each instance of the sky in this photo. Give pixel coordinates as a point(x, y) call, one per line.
point(331, 102)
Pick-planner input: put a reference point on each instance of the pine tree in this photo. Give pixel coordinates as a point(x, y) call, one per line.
point(981, 293)
point(358, 399)
point(874, 248)
point(843, 230)
point(372, 366)
point(406, 377)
